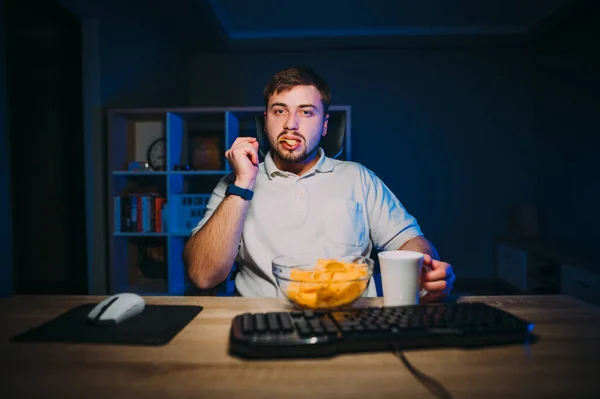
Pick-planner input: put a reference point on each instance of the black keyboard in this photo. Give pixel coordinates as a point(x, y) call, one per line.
point(308, 333)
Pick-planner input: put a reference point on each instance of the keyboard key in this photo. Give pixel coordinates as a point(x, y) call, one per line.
point(273, 322)
point(304, 331)
point(302, 324)
point(247, 323)
point(260, 322)
point(286, 322)
point(346, 328)
point(314, 323)
point(384, 326)
point(309, 314)
point(329, 327)
point(318, 330)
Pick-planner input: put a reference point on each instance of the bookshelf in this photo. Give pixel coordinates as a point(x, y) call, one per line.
point(145, 250)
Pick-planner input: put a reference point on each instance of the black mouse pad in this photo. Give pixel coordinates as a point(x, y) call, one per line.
point(156, 325)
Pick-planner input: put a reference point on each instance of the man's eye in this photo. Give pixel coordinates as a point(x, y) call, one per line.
point(307, 113)
point(279, 111)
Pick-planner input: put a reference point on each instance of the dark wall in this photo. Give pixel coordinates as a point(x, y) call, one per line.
point(568, 113)
point(6, 272)
point(44, 96)
point(140, 66)
point(450, 131)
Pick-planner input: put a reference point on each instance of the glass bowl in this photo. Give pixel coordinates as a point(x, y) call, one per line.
point(322, 283)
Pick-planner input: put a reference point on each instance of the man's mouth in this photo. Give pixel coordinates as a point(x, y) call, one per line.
point(289, 143)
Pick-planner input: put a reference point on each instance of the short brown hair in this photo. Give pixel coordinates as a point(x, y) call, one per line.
point(289, 78)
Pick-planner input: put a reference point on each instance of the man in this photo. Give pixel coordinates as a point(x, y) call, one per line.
point(299, 201)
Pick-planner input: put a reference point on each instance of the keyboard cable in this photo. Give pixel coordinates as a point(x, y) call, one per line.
point(433, 386)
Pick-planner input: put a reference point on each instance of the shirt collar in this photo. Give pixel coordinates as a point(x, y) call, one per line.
point(323, 165)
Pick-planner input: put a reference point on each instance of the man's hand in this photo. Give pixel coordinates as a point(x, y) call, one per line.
point(243, 158)
point(438, 278)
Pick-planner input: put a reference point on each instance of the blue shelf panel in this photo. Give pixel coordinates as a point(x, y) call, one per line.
point(175, 268)
point(128, 173)
point(173, 172)
point(175, 131)
point(182, 234)
point(136, 234)
point(198, 172)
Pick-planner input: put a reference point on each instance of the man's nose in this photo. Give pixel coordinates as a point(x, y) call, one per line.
point(291, 123)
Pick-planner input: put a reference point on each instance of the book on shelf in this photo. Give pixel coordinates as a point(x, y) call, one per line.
point(140, 213)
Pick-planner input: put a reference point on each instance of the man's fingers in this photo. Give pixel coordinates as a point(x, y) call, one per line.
point(437, 273)
point(440, 270)
point(427, 263)
point(435, 286)
point(255, 153)
point(243, 140)
point(438, 282)
point(241, 150)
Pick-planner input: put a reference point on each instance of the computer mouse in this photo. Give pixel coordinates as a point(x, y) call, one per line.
point(116, 309)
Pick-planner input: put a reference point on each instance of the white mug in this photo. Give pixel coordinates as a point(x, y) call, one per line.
point(401, 277)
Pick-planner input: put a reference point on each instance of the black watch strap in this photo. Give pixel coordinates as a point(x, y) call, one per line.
point(232, 189)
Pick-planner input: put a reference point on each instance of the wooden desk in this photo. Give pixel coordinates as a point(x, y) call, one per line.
point(563, 364)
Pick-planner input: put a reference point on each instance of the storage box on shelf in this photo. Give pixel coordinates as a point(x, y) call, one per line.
point(163, 164)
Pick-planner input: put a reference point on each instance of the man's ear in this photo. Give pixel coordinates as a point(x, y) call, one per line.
point(325, 123)
point(265, 120)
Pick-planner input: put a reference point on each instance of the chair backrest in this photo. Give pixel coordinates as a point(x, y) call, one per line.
point(332, 143)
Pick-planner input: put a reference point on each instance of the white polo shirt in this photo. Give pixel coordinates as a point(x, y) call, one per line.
point(337, 208)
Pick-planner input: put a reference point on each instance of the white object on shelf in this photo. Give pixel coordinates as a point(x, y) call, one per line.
point(145, 134)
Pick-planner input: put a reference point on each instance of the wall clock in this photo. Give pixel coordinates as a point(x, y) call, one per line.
point(157, 154)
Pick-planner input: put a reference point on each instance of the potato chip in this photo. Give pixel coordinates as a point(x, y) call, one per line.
point(331, 283)
point(335, 267)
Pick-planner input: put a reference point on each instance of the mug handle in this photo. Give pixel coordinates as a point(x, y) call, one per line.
point(423, 291)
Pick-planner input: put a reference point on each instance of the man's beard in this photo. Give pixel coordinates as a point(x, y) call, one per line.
point(293, 157)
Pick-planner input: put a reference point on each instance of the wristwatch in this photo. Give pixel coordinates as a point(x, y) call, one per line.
point(232, 189)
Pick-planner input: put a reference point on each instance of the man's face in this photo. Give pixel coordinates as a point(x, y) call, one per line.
point(295, 122)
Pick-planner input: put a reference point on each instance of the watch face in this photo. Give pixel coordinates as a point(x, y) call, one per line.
point(156, 154)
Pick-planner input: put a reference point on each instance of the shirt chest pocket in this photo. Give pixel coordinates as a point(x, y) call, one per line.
point(344, 223)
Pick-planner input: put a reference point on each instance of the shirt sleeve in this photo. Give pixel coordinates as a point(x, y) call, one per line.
point(214, 201)
point(391, 226)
